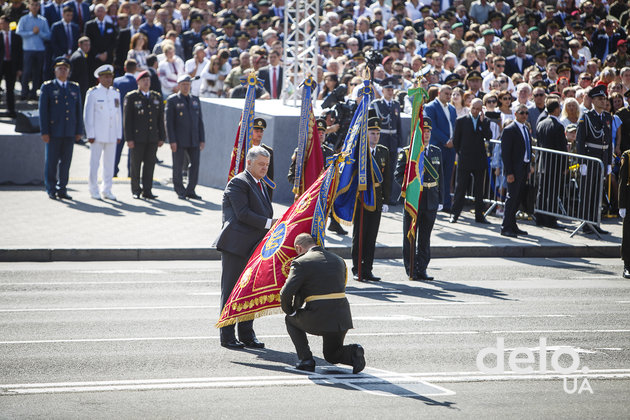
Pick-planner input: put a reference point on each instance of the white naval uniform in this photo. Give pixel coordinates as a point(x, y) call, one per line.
point(103, 123)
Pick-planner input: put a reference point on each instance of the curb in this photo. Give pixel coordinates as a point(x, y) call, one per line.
point(383, 252)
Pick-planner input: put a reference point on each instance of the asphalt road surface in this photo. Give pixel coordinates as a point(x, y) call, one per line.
point(136, 340)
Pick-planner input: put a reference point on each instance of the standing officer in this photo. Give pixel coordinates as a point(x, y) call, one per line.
point(318, 278)
point(594, 138)
point(371, 219)
point(429, 204)
point(257, 134)
point(184, 128)
point(388, 110)
point(624, 204)
point(125, 84)
point(61, 124)
point(103, 129)
point(144, 133)
point(326, 153)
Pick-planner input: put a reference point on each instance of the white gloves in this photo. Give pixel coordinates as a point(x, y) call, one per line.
point(622, 213)
point(385, 208)
point(608, 169)
point(440, 207)
point(583, 170)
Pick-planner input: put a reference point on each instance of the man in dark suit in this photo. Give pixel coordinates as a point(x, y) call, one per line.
point(271, 75)
point(624, 204)
point(80, 69)
point(518, 62)
point(371, 218)
point(64, 35)
point(257, 134)
point(605, 39)
point(81, 12)
point(472, 131)
point(102, 34)
point(247, 216)
point(152, 64)
point(516, 154)
point(143, 123)
point(185, 133)
point(443, 117)
point(53, 12)
point(428, 208)
point(125, 84)
point(318, 280)
point(11, 68)
point(551, 135)
point(123, 39)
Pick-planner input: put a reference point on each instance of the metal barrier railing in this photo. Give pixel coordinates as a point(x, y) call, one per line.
point(568, 186)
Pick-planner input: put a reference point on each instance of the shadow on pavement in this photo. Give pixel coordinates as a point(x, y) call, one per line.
point(581, 265)
point(89, 208)
point(398, 290)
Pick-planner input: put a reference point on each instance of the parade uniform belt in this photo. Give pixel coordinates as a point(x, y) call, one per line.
point(388, 131)
point(340, 295)
point(597, 146)
point(430, 184)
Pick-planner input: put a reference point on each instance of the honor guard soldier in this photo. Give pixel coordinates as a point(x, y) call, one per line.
point(193, 36)
point(624, 204)
point(103, 129)
point(143, 122)
point(371, 219)
point(184, 127)
point(594, 138)
point(257, 134)
point(61, 124)
point(388, 111)
point(428, 207)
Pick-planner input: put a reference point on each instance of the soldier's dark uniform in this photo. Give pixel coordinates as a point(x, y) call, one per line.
point(391, 131)
point(594, 138)
point(624, 203)
point(143, 122)
point(260, 123)
point(371, 219)
point(326, 152)
point(184, 127)
point(427, 210)
point(60, 117)
point(624, 115)
point(189, 40)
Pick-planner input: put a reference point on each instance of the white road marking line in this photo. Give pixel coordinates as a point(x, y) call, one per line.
point(391, 318)
point(500, 316)
point(609, 348)
point(80, 283)
point(147, 271)
point(557, 331)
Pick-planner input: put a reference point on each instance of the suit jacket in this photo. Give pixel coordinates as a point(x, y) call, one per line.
point(511, 66)
point(100, 43)
point(123, 38)
point(16, 52)
point(52, 15)
point(440, 134)
point(600, 38)
point(85, 13)
point(59, 38)
point(513, 150)
point(156, 85)
point(245, 214)
point(184, 122)
point(80, 71)
point(551, 134)
point(265, 74)
point(317, 272)
point(143, 118)
point(125, 84)
point(470, 144)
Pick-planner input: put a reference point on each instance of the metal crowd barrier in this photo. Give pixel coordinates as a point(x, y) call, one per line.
point(566, 186)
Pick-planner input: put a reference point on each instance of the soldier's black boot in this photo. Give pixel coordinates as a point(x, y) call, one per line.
point(626, 271)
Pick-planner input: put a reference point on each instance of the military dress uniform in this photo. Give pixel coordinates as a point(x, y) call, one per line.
point(61, 118)
point(371, 219)
point(624, 204)
point(144, 126)
point(103, 123)
point(184, 127)
point(261, 124)
point(594, 138)
point(427, 210)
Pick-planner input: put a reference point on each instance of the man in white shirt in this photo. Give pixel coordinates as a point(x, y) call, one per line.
point(499, 65)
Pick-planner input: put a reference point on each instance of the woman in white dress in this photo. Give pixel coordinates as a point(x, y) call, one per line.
point(170, 69)
point(138, 50)
point(194, 67)
point(212, 79)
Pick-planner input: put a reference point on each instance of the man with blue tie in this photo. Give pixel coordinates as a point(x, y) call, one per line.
point(102, 36)
point(61, 124)
point(125, 84)
point(64, 35)
point(53, 12)
point(443, 116)
point(516, 154)
point(81, 12)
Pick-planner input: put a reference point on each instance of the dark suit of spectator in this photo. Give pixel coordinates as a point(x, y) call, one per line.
point(550, 136)
point(265, 74)
point(53, 13)
point(63, 38)
point(511, 64)
point(125, 84)
point(80, 71)
point(81, 13)
point(604, 45)
point(103, 39)
point(11, 64)
point(515, 154)
point(123, 39)
point(156, 85)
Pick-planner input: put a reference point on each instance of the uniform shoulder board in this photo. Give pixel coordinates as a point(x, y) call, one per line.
point(153, 92)
point(47, 82)
point(92, 88)
point(74, 83)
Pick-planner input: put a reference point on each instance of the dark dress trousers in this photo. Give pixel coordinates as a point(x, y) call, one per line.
point(143, 122)
point(125, 84)
point(10, 67)
point(427, 210)
point(624, 203)
point(470, 144)
point(246, 210)
point(552, 167)
point(513, 155)
point(316, 273)
point(184, 127)
point(371, 219)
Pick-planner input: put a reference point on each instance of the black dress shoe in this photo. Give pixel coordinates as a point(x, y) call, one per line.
point(520, 232)
point(601, 231)
point(358, 359)
point(150, 196)
point(52, 196)
point(193, 196)
point(509, 234)
point(483, 221)
point(232, 344)
point(181, 196)
point(452, 219)
point(422, 275)
point(136, 196)
point(371, 277)
point(355, 276)
point(626, 272)
point(64, 195)
point(306, 364)
point(254, 344)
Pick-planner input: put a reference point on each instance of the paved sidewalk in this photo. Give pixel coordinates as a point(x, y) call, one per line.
point(36, 228)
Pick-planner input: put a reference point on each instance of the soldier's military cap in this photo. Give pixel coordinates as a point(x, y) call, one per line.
point(425, 8)
point(563, 67)
point(242, 35)
point(399, 27)
point(571, 127)
point(104, 70)
point(553, 59)
point(457, 25)
point(358, 56)
point(184, 78)
point(426, 122)
point(251, 25)
point(260, 123)
point(532, 29)
point(388, 82)
point(540, 53)
point(507, 26)
point(599, 90)
point(374, 123)
point(196, 17)
point(142, 75)
point(263, 3)
point(321, 124)
point(540, 83)
point(62, 61)
point(228, 23)
point(339, 46)
point(452, 80)
point(487, 32)
point(474, 75)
